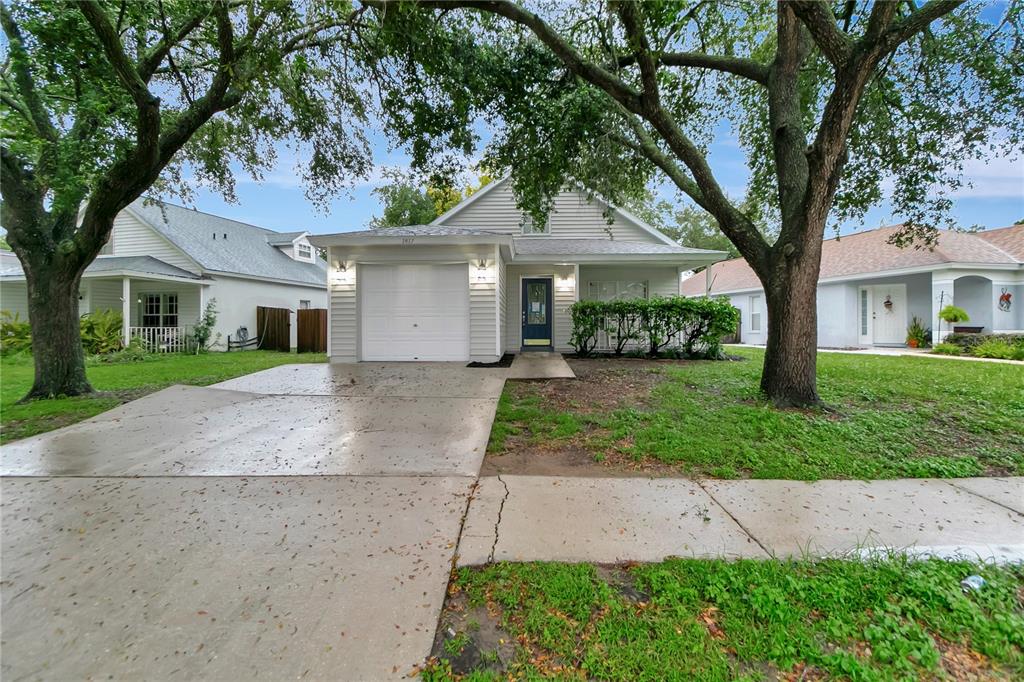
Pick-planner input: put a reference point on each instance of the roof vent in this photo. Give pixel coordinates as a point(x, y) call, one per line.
point(214, 236)
point(225, 235)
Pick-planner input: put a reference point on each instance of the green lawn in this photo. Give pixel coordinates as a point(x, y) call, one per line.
point(887, 417)
point(721, 620)
point(116, 383)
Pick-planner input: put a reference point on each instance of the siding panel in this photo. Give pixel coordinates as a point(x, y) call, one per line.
point(132, 237)
point(342, 317)
point(662, 281)
point(573, 215)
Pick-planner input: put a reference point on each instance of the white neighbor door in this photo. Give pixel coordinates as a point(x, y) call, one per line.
point(889, 313)
point(414, 312)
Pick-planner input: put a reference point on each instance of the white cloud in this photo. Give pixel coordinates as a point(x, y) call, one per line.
point(995, 177)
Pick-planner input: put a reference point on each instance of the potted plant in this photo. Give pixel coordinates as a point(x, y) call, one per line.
point(951, 315)
point(918, 336)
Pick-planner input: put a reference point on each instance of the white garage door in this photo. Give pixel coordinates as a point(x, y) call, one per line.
point(414, 312)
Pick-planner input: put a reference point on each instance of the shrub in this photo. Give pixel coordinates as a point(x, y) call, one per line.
point(692, 327)
point(15, 334)
point(101, 332)
point(995, 348)
point(203, 331)
point(947, 349)
point(968, 342)
point(918, 336)
point(135, 351)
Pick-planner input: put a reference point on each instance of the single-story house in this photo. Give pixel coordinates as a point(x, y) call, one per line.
point(869, 290)
point(481, 279)
point(164, 262)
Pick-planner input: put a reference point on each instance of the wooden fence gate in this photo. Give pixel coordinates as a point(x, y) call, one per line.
point(312, 330)
point(273, 328)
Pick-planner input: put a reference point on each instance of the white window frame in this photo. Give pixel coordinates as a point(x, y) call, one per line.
point(303, 256)
point(526, 226)
point(621, 287)
point(754, 303)
point(164, 308)
point(304, 304)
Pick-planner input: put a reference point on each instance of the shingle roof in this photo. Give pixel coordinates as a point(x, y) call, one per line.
point(283, 238)
point(547, 246)
point(1009, 240)
point(106, 264)
point(870, 252)
point(245, 251)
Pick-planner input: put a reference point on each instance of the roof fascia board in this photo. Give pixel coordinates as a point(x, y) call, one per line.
point(635, 258)
point(341, 239)
point(270, 280)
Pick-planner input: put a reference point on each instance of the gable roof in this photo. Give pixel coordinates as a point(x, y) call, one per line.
point(870, 252)
point(620, 212)
point(245, 250)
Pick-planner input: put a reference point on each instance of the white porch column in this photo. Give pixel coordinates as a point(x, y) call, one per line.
point(942, 295)
point(126, 309)
point(707, 281)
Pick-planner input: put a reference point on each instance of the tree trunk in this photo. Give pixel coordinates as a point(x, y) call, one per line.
point(789, 377)
point(56, 338)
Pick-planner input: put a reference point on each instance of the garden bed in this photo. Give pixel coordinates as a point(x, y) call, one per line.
point(887, 417)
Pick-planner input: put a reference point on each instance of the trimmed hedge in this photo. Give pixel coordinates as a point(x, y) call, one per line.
point(693, 327)
point(971, 341)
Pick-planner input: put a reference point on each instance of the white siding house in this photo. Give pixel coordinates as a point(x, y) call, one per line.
point(163, 263)
point(587, 250)
point(869, 291)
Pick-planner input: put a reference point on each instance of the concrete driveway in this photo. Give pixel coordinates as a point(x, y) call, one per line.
point(296, 523)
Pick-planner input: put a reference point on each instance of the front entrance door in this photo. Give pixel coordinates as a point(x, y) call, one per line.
point(889, 314)
point(537, 313)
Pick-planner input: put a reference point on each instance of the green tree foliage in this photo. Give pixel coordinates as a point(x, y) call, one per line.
point(830, 101)
point(103, 100)
point(406, 204)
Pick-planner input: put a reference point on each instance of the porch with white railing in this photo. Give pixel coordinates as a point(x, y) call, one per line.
point(163, 339)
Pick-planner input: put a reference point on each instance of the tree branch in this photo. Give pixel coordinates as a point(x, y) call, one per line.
point(592, 73)
point(904, 29)
point(817, 16)
point(738, 66)
point(19, 64)
point(112, 47)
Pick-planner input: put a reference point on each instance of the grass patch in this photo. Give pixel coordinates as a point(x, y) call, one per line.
point(117, 383)
point(888, 417)
point(877, 619)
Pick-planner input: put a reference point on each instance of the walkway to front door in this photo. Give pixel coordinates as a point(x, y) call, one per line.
point(537, 313)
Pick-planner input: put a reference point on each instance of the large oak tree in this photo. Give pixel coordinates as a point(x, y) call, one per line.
point(102, 100)
point(835, 104)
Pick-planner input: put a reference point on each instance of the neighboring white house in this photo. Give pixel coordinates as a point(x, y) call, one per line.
point(164, 262)
point(869, 290)
point(482, 280)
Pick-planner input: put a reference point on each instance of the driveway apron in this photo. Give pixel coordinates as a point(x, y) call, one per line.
point(295, 523)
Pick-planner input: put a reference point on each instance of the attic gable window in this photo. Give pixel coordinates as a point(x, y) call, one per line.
point(530, 228)
point(304, 251)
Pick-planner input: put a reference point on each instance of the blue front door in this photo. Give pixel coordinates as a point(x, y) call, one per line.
point(537, 313)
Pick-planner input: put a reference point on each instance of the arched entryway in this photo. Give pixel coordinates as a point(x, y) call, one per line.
point(973, 293)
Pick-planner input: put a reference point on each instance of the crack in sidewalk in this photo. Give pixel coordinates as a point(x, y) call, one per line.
point(734, 519)
point(497, 523)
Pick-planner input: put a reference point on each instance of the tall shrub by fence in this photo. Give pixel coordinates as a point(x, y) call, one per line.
point(691, 326)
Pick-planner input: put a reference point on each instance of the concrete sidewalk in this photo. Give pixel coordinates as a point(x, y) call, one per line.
point(538, 518)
